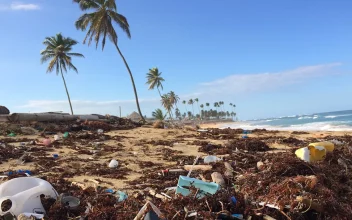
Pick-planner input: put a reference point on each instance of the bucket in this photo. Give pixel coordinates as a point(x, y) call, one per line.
point(24, 195)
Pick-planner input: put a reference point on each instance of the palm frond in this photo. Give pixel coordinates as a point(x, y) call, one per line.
point(87, 4)
point(75, 54)
point(121, 21)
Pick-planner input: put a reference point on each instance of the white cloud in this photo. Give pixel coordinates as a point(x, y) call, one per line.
point(249, 83)
point(229, 89)
point(89, 107)
point(20, 7)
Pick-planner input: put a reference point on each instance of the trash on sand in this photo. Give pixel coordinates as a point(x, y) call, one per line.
point(56, 137)
point(311, 153)
point(260, 165)
point(55, 156)
point(185, 182)
point(194, 163)
point(28, 215)
point(147, 207)
point(100, 131)
point(233, 200)
point(113, 163)
point(217, 178)
point(122, 196)
point(244, 136)
point(198, 167)
point(66, 134)
point(110, 191)
point(24, 195)
point(327, 145)
point(237, 216)
point(202, 130)
point(211, 159)
point(70, 201)
point(12, 135)
point(46, 142)
point(337, 142)
point(151, 215)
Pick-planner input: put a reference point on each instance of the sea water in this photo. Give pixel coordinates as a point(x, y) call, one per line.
point(327, 121)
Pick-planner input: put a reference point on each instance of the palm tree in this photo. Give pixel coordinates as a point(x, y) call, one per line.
point(154, 79)
point(174, 98)
point(185, 103)
point(100, 23)
point(58, 51)
point(197, 100)
point(191, 102)
point(158, 114)
point(166, 103)
point(202, 106)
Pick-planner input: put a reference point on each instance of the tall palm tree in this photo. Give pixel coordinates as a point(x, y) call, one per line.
point(191, 102)
point(185, 103)
point(154, 79)
point(158, 114)
point(58, 51)
point(174, 98)
point(197, 100)
point(100, 22)
point(202, 106)
point(166, 103)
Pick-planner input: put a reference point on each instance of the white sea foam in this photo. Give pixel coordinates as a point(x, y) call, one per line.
point(315, 126)
point(304, 117)
point(336, 116)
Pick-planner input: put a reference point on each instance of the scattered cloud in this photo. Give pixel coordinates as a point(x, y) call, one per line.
point(260, 82)
point(228, 88)
point(89, 107)
point(19, 7)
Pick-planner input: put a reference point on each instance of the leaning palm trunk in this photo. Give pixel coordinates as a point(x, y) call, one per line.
point(132, 80)
point(68, 95)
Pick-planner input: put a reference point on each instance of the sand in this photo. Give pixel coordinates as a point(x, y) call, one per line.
point(135, 151)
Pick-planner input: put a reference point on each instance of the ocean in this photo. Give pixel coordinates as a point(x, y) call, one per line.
point(327, 121)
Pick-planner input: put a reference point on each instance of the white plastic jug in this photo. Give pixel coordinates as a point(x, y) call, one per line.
point(24, 193)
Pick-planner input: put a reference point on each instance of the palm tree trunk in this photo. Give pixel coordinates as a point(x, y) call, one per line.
point(159, 91)
point(68, 95)
point(132, 80)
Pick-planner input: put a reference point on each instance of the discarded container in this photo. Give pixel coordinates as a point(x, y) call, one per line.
point(327, 145)
point(70, 201)
point(233, 200)
point(211, 159)
point(56, 137)
point(24, 194)
point(55, 156)
point(66, 134)
point(100, 131)
point(12, 134)
point(244, 136)
point(311, 153)
point(122, 196)
point(203, 187)
point(47, 142)
point(109, 190)
point(113, 163)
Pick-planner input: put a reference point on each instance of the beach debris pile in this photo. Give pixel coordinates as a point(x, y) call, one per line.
point(237, 180)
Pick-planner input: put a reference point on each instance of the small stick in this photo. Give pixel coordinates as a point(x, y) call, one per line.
point(195, 161)
point(208, 205)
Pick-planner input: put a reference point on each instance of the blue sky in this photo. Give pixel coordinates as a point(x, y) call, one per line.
point(270, 58)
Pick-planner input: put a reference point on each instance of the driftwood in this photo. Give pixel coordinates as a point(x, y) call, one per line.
point(198, 167)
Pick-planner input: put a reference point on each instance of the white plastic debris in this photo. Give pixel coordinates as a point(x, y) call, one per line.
point(211, 159)
point(23, 194)
point(113, 163)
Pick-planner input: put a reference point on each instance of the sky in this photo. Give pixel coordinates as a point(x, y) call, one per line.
point(271, 58)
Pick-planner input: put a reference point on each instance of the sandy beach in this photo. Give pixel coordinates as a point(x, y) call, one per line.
point(142, 153)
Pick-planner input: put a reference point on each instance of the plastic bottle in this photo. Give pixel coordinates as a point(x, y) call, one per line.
point(24, 193)
point(211, 159)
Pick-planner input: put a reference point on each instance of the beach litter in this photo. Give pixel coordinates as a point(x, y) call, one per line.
point(113, 163)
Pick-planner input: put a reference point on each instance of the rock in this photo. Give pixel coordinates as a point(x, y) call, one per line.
point(217, 178)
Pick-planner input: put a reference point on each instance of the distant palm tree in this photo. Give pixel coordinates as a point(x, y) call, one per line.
point(154, 79)
point(58, 51)
point(100, 23)
point(197, 100)
point(185, 103)
point(191, 102)
point(166, 103)
point(174, 98)
point(158, 114)
point(202, 106)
